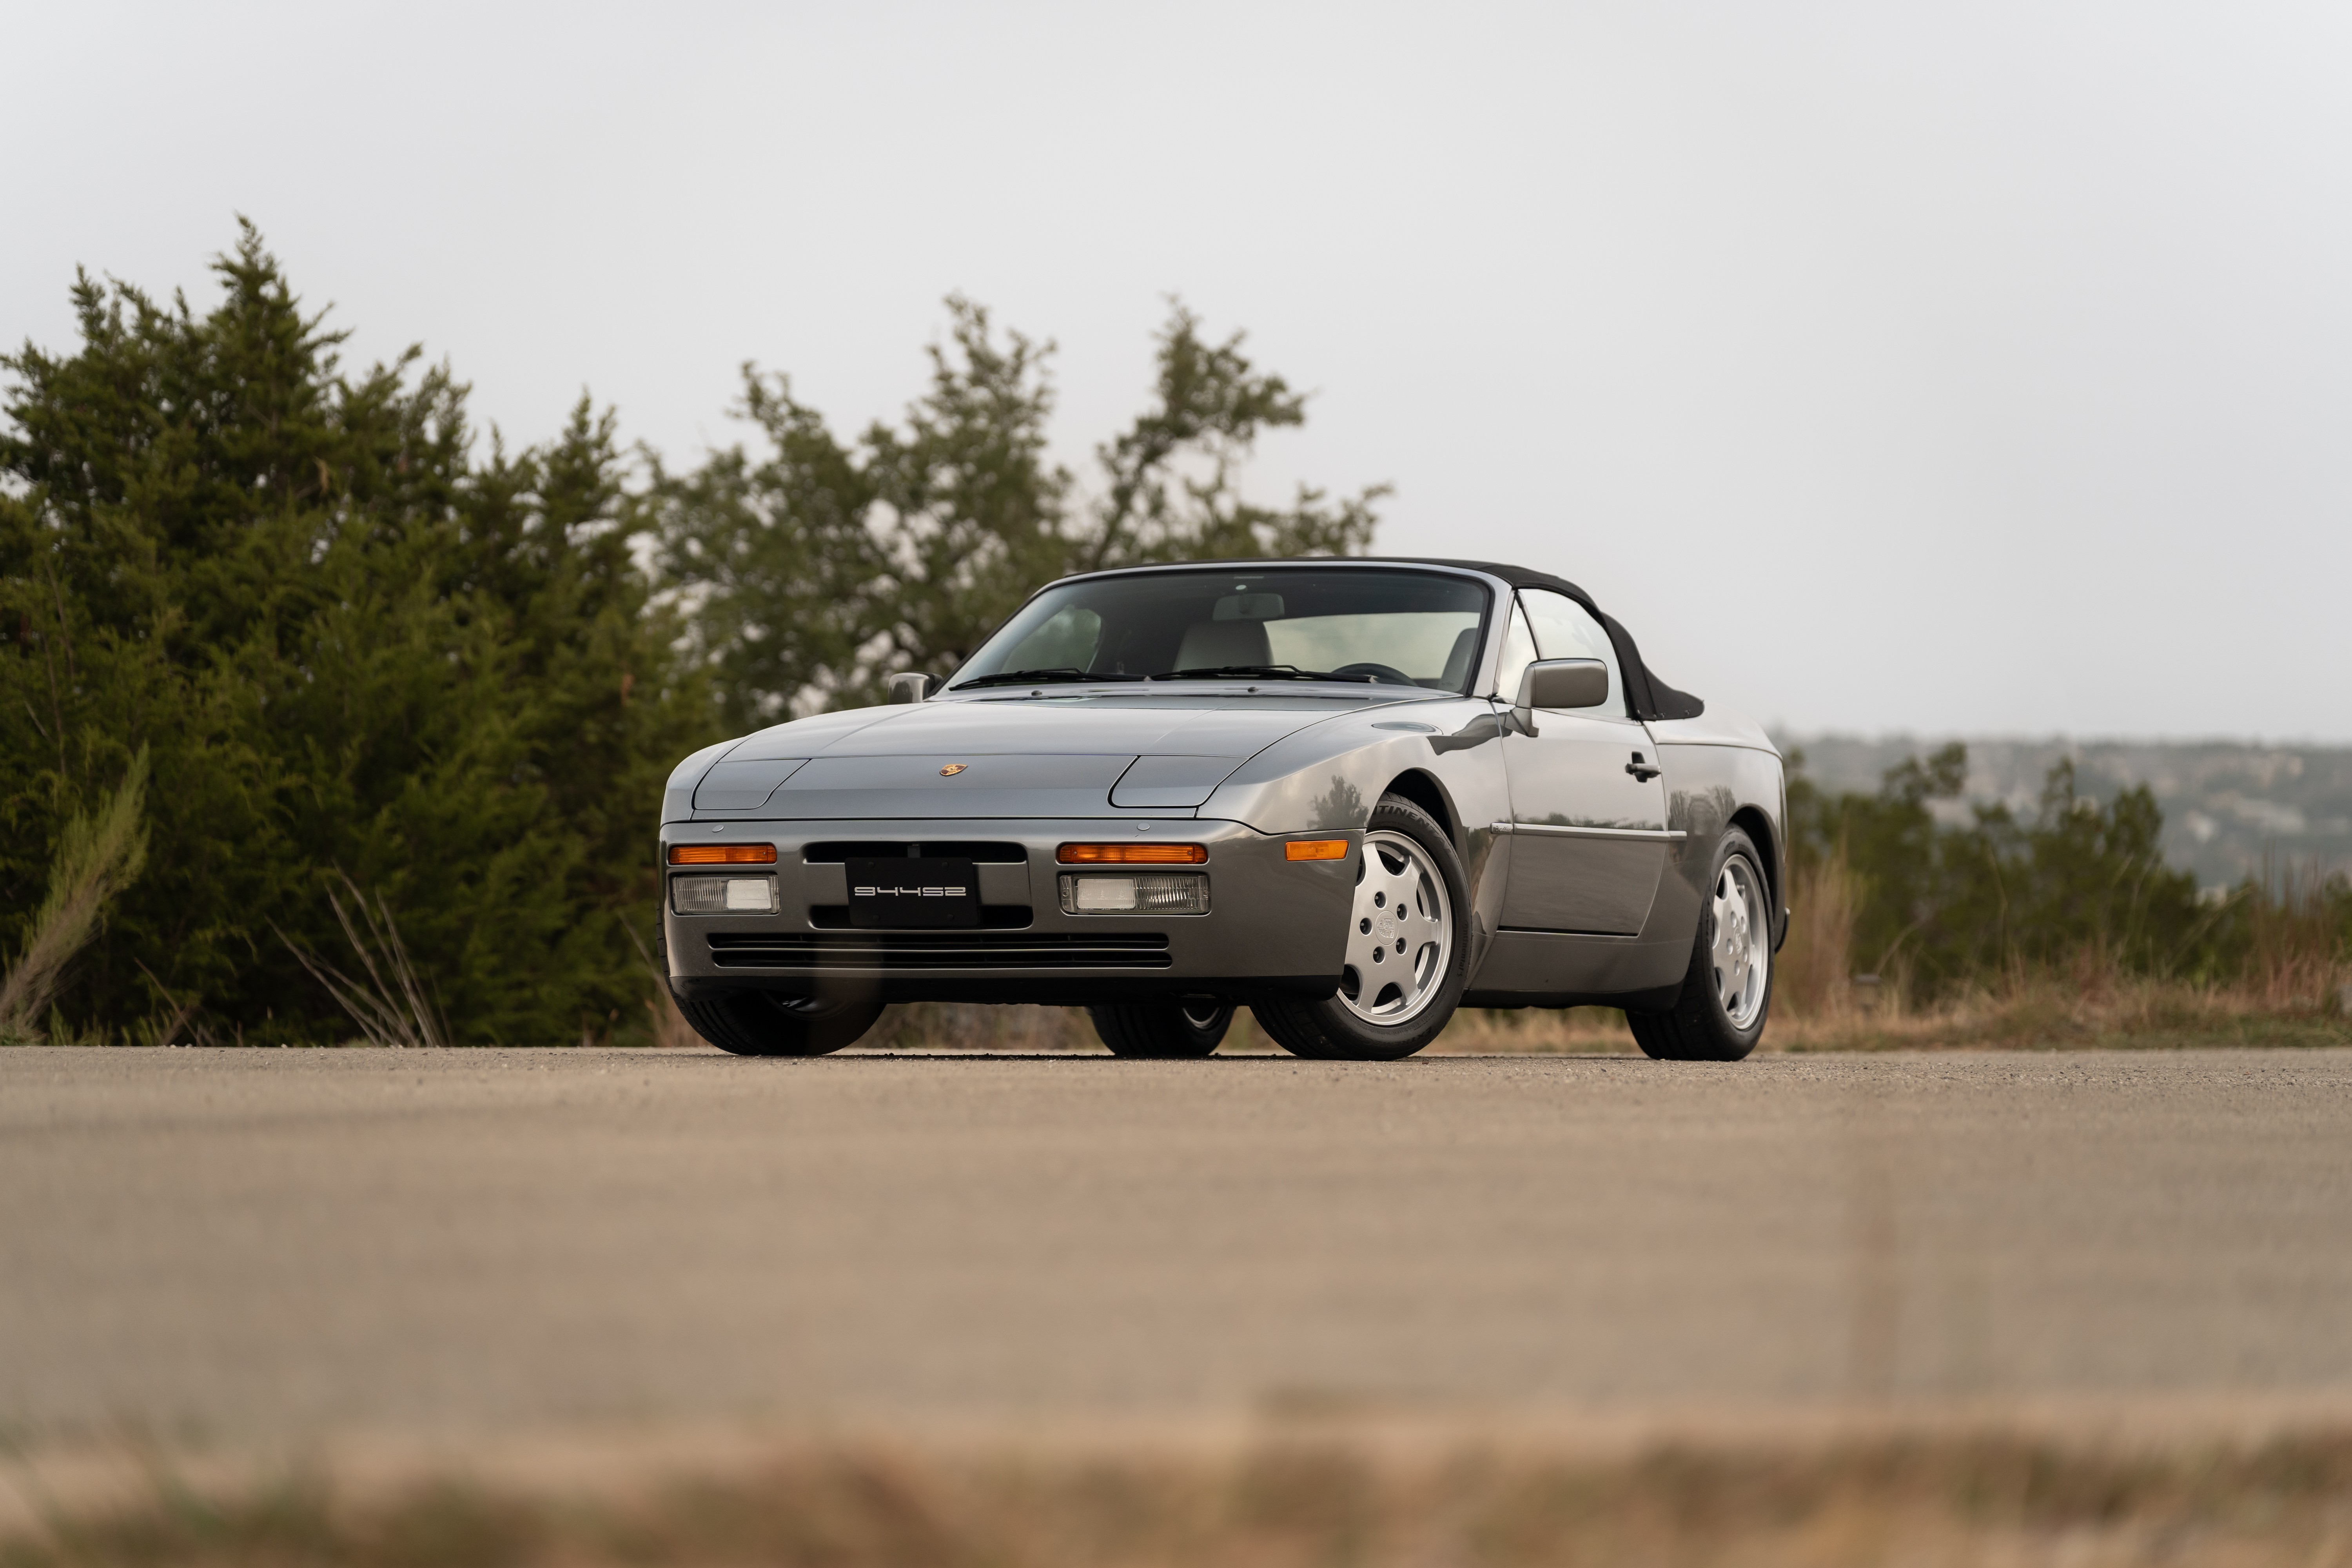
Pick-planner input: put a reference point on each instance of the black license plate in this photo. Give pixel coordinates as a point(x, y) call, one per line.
point(904, 893)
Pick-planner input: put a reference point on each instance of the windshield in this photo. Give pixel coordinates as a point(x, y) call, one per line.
point(1364, 625)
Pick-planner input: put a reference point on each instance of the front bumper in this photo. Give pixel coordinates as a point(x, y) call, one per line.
point(1274, 926)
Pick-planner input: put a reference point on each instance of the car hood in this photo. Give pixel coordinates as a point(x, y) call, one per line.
point(1081, 754)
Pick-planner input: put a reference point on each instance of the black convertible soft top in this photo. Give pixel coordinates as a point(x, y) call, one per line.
point(1651, 697)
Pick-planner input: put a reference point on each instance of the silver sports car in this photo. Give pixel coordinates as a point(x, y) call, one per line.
point(1351, 795)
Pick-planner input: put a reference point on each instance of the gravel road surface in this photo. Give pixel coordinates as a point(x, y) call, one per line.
point(282, 1244)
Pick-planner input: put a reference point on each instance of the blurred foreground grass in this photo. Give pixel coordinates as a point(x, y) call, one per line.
point(1950, 1500)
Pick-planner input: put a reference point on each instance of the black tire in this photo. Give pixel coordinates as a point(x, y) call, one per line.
point(1170, 1031)
point(1702, 1027)
point(763, 1023)
point(1336, 1028)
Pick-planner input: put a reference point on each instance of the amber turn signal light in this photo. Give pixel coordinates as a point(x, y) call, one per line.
point(722, 854)
point(1131, 854)
point(1315, 849)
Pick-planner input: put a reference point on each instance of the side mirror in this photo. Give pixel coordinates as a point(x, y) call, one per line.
point(910, 688)
point(1564, 683)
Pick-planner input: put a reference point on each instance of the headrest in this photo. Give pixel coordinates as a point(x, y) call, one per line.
point(1210, 644)
point(1457, 663)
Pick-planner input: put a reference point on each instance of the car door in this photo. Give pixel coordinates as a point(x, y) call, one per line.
point(1588, 829)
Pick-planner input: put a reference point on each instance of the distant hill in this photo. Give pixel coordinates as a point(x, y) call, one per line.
point(2225, 806)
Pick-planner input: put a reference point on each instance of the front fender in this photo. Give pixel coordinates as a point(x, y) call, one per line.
point(1329, 776)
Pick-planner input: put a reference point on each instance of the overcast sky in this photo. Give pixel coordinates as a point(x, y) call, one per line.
point(1979, 368)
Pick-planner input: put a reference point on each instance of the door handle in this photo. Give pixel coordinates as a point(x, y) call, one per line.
point(1642, 772)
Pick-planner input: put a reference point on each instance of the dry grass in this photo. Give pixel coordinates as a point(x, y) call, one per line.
point(970, 1026)
point(2291, 991)
point(1814, 977)
point(2298, 950)
point(1572, 1031)
point(2130, 1014)
point(2050, 1013)
point(386, 1000)
point(99, 853)
point(1938, 1500)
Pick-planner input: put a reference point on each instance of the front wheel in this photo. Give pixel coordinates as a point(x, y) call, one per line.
point(1727, 990)
point(1406, 963)
point(763, 1023)
point(1182, 1030)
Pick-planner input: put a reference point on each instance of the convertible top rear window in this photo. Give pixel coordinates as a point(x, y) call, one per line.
point(1367, 625)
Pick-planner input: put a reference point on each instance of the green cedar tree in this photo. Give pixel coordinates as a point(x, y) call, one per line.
point(348, 650)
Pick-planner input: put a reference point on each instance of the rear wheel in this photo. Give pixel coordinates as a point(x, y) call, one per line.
point(763, 1023)
point(1727, 990)
point(1405, 965)
point(1169, 1030)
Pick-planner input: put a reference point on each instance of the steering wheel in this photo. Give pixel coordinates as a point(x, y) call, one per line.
point(1377, 672)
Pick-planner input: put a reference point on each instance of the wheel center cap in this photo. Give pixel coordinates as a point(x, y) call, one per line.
point(1385, 923)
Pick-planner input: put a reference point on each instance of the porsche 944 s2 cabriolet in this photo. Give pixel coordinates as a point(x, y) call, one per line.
point(1353, 796)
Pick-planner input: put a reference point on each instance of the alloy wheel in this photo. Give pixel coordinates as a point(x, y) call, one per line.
point(1401, 937)
point(1738, 956)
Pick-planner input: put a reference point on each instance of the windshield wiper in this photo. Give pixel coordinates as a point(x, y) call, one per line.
point(1260, 672)
point(1036, 678)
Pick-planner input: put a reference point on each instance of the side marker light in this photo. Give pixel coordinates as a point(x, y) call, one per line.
point(1315, 849)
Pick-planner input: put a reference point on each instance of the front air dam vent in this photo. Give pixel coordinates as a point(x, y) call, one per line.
point(903, 950)
point(1001, 916)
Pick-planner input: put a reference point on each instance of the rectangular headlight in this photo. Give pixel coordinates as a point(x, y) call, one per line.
point(1148, 895)
point(724, 896)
